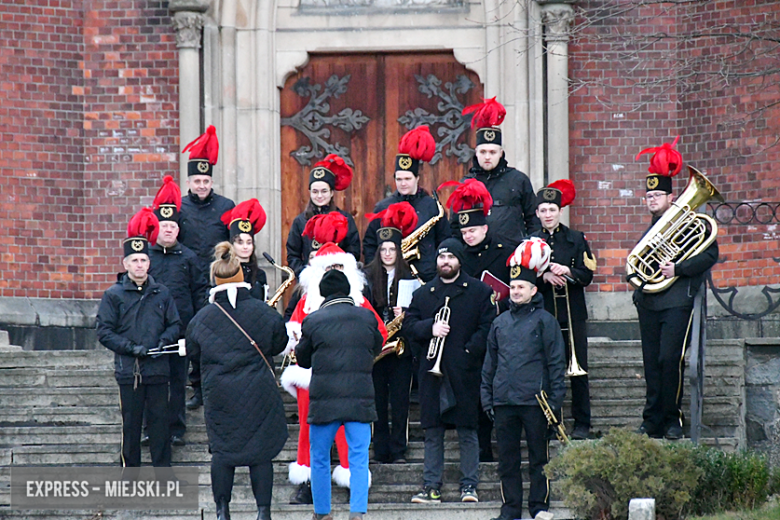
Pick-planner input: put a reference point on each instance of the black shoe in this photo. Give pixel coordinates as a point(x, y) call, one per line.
point(145, 440)
point(674, 432)
point(263, 513)
point(303, 495)
point(177, 441)
point(646, 430)
point(196, 401)
point(581, 432)
point(486, 456)
point(399, 460)
point(223, 511)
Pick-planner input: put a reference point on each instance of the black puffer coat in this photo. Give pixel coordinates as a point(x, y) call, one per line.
point(131, 315)
point(471, 314)
point(244, 413)
point(339, 343)
point(179, 269)
point(513, 215)
point(299, 247)
point(200, 228)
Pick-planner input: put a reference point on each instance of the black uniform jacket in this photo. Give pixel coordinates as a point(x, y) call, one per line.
point(569, 248)
point(489, 255)
point(200, 227)
point(131, 315)
point(179, 269)
point(525, 355)
point(471, 314)
point(513, 215)
point(339, 342)
point(386, 312)
point(426, 209)
point(690, 274)
point(299, 247)
point(258, 287)
point(243, 409)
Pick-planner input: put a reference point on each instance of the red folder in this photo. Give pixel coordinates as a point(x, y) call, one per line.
point(500, 289)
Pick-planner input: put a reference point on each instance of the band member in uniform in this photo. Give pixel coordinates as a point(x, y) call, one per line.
point(452, 314)
point(328, 230)
point(200, 223)
point(243, 409)
point(339, 343)
point(470, 204)
point(326, 177)
point(137, 314)
point(525, 355)
point(179, 269)
point(665, 317)
point(244, 222)
point(416, 146)
point(393, 372)
point(570, 271)
point(513, 215)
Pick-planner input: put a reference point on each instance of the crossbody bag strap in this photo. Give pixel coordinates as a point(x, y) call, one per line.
point(254, 344)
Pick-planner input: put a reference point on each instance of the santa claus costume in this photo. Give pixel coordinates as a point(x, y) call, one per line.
point(327, 230)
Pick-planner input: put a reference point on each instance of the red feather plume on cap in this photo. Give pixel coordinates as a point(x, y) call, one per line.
point(400, 215)
point(250, 210)
point(533, 253)
point(468, 195)
point(144, 224)
point(205, 147)
point(169, 193)
point(666, 160)
point(330, 227)
point(488, 113)
point(418, 144)
point(566, 187)
point(340, 169)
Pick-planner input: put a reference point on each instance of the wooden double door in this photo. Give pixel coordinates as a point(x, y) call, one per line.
point(359, 106)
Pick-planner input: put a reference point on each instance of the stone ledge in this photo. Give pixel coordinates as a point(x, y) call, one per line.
point(45, 312)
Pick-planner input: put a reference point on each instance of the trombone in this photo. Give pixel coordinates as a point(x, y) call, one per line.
point(574, 369)
point(436, 345)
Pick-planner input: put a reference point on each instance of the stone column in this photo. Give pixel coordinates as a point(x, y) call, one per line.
point(188, 24)
point(557, 18)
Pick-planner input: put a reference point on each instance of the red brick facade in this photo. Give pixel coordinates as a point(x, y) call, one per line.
point(88, 98)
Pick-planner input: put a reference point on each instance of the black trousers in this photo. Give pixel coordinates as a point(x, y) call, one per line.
point(665, 336)
point(195, 372)
point(261, 476)
point(177, 397)
point(153, 399)
point(510, 421)
point(392, 384)
point(580, 388)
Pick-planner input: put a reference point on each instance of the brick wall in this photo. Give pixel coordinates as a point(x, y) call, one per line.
point(632, 90)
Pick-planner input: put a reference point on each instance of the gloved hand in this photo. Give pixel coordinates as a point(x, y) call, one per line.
point(491, 414)
point(140, 351)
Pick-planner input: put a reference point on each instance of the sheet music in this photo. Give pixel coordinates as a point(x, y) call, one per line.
point(405, 290)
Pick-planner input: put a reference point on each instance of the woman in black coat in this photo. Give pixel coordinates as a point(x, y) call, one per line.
point(244, 222)
point(245, 419)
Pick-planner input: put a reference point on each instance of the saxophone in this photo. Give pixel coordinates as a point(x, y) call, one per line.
point(273, 300)
point(409, 244)
point(395, 346)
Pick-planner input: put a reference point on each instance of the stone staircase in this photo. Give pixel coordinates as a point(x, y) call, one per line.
point(62, 408)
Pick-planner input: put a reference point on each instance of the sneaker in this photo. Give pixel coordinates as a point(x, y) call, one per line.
point(469, 494)
point(674, 432)
point(427, 495)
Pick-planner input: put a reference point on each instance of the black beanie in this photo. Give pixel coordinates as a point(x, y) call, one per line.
point(334, 282)
point(453, 246)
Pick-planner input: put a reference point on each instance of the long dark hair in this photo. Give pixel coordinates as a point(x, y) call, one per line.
point(252, 262)
point(312, 210)
point(375, 275)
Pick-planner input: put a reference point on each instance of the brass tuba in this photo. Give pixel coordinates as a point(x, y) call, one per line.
point(679, 234)
point(273, 300)
point(409, 244)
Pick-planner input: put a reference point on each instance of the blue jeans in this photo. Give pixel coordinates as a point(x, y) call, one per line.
point(321, 438)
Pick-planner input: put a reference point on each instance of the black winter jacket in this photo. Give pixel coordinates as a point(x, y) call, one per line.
point(471, 314)
point(244, 413)
point(259, 285)
point(130, 315)
point(525, 355)
point(339, 343)
point(426, 208)
point(513, 215)
point(299, 247)
point(179, 269)
point(200, 227)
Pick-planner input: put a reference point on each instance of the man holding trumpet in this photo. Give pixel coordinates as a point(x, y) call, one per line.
point(452, 314)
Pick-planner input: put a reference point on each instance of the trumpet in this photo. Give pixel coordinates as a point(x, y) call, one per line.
point(574, 369)
point(273, 300)
point(436, 345)
point(176, 348)
point(396, 345)
point(552, 420)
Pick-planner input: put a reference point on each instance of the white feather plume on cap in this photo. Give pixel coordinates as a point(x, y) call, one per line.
point(533, 253)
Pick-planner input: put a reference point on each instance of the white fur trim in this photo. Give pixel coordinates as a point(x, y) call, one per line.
point(312, 275)
point(298, 474)
point(341, 476)
point(232, 291)
point(293, 335)
point(295, 377)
